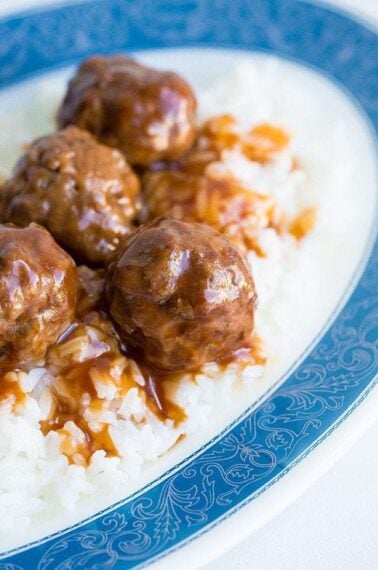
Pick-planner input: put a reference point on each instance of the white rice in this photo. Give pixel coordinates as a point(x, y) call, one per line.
point(39, 490)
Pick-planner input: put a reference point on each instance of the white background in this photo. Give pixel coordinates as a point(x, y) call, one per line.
point(334, 525)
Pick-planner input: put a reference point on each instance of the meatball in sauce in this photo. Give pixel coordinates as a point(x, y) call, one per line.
point(148, 114)
point(180, 295)
point(38, 291)
point(83, 192)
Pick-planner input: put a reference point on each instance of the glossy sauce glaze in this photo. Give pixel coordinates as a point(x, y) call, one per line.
point(146, 113)
point(157, 400)
point(76, 393)
point(195, 189)
point(11, 392)
point(220, 133)
point(73, 387)
point(83, 192)
point(38, 291)
point(180, 294)
point(303, 223)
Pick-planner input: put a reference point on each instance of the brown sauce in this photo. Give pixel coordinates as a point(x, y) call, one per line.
point(10, 389)
point(252, 244)
point(157, 399)
point(74, 391)
point(303, 223)
point(194, 189)
point(75, 383)
point(155, 389)
point(80, 453)
point(219, 133)
point(90, 288)
point(263, 142)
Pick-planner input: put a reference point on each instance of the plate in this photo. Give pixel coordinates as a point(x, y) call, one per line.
point(295, 430)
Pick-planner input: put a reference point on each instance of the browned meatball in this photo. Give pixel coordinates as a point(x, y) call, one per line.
point(180, 294)
point(148, 114)
point(83, 192)
point(37, 294)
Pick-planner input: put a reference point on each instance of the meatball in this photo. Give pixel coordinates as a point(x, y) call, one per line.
point(83, 192)
point(148, 114)
point(37, 294)
point(180, 295)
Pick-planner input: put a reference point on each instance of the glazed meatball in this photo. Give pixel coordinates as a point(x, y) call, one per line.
point(148, 114)
point(83, 192)
point(180, 295)
point(37, 294)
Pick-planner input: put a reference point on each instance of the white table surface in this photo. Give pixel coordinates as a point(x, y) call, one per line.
point(334, 525)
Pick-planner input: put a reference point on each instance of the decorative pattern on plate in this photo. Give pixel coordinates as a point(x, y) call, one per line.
point(258, 449)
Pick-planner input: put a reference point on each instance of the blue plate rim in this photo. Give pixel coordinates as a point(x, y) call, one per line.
point(357, 16)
